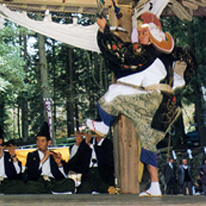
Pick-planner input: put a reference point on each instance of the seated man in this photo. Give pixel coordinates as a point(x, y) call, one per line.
point(10, 170)
point(74, 148)
point(94, 160)
point(47, 172)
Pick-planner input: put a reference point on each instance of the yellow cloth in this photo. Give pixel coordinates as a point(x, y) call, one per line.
point(22, 153)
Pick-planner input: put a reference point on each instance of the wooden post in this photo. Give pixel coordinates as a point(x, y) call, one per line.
point(125, 138)
point(125, 22)
point(126, 165)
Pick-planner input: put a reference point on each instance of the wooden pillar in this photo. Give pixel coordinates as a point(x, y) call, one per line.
point(126, 156)
point(125, 138)
point(125, 22)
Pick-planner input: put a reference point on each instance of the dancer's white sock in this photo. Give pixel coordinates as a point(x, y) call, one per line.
point(154, 189)
point(98, 126)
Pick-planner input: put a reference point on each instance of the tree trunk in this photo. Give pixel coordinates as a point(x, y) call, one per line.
point(70, 95)
point(54, 85)
point(24, 119)
point(44, 76)
point(18, 121)
point(2, 112)
point(43, 67)
point(200, 119)
point(76, 116)
point(24, 102)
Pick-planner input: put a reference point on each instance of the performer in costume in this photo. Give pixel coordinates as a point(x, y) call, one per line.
point(145, 86)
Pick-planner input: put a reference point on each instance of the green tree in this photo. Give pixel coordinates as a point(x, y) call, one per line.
point(11, 76)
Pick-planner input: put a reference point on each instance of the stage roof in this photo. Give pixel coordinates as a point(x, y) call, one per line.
point(185, 7)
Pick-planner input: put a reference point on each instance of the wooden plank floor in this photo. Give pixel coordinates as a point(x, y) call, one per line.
point(97, 199)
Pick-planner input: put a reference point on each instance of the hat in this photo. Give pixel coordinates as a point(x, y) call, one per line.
point(44, 131)
point(10, 142)
point(162, 41)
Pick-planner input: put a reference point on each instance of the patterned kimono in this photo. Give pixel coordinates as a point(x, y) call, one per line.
point(145, 84)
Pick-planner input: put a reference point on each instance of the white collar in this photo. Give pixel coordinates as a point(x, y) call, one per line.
point(99, 143)
point(41, 154)
point(185, 166)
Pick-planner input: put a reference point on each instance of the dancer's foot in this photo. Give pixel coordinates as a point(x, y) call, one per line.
point(98, 127)
point(153, 191)
point(148, 194)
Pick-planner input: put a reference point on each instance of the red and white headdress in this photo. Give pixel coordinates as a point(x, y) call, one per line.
point(162, 41)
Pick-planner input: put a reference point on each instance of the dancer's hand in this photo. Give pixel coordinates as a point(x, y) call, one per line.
point(102, 23)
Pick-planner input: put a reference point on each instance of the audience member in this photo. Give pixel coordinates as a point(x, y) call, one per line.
point(185, 179)
point(170, 176)
point(10, 170)
point(94, 160)
point(198, 186)
point(74, 148)
point(47, 172)
point(202, 174)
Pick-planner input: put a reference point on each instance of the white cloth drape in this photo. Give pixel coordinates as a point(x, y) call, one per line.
point(73, 34)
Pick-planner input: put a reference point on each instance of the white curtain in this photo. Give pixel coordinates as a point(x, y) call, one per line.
point(83, 37)
point(73, 34)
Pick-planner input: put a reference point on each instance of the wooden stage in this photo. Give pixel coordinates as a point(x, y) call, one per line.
point(100, 199)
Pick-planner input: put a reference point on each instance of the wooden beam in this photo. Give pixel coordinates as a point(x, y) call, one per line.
point(66, 6)
point(124, 2)
point(190, 5)
point(72, 3)
point(56, 9)
point(84, 6)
